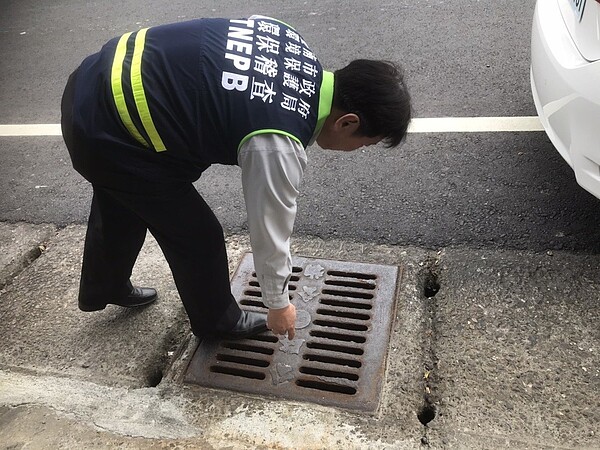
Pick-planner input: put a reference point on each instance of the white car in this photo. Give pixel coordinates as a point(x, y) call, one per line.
point(565, 82)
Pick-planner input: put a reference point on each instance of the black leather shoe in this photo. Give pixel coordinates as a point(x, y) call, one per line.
point(249, 324)
point(139, 296)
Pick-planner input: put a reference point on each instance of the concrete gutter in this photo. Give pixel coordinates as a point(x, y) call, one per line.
point(21, 243)
point(506, 354)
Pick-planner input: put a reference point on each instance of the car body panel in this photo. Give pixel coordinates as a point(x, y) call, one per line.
point(585, 32)
point(566, 92)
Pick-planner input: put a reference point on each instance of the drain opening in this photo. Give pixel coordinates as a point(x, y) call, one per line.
point(431, 285)
point(360, 276)
point(335, 348)
point(264, 338)
point(328, 373)
point(154, 378)
point(331, 360)
point(348, 294)
point(253, 293)
point(344, 314)
point(248, 348)
point(345, 304)
point(238, 372)
point(242, 360)
point(351, 284)
point(339, 336)
point(326, 387)
point(342, 325)
point(427, 414)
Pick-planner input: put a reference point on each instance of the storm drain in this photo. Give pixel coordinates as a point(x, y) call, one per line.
point(344, 316)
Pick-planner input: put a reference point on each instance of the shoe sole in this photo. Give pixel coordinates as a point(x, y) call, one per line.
point(134, 305)
point(90, 308)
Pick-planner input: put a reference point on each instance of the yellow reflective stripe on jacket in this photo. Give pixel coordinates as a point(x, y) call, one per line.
point(138, 92)
point(137, 89)
point(117, 89)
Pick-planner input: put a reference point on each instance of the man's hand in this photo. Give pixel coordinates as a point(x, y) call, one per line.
point(283, 320)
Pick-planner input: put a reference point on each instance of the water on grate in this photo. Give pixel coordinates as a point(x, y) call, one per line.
point(345, 312)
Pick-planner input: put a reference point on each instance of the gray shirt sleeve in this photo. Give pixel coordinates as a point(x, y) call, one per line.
point(272, 170)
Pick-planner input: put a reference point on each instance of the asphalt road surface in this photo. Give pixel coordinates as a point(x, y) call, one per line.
point(462, 59)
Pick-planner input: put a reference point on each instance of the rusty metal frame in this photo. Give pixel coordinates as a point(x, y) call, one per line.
point(345, 315)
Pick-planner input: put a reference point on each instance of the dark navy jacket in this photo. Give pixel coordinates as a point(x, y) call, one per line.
point(164, 103)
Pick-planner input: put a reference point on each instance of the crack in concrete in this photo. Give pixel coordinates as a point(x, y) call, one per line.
point(24, 243)
point(24, 262)
point(430, 287)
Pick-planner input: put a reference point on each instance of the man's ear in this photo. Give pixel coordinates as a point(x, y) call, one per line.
point(347, 123)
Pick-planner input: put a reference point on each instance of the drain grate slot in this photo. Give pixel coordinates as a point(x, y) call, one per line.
point(248, 348)
point(332, 360)
point(254, 303)
point(344, 316)
point(338, 336)
point(263, 338)
point(253, 293)
point(351, 294)
point(330, 387)
point(350, 284)
point(342, 313)
point(360, 276)
point(342, 325)
point(336, 348)
point(345, 304)
point(238, 372)
point(328, 373)
point(242, 360)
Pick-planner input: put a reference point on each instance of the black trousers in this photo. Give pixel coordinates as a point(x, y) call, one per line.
point(186, 229)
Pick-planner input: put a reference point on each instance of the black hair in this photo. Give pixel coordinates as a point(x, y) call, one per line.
point(376, 93)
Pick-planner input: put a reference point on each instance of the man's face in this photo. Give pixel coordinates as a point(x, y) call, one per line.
point(353, 142)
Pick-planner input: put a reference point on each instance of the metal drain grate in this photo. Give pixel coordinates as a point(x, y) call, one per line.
point(344, 316)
